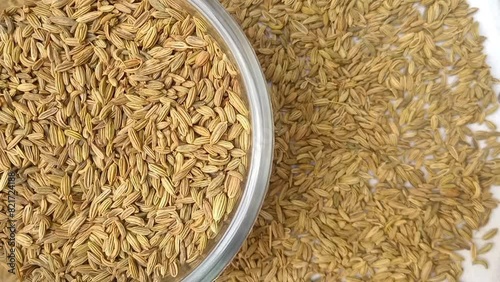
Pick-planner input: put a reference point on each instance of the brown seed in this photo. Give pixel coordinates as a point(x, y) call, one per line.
point(88, 17)
point(490, 234)
point(26, 87)
point(219, 206)
point(486, 248)
point(219, 130)
point(202, 58)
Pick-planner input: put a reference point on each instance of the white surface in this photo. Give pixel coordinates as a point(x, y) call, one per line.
point(488, 17)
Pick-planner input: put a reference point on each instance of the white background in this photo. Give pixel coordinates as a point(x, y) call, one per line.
point(488, 17)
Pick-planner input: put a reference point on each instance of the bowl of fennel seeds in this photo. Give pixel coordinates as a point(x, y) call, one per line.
point(140, 134)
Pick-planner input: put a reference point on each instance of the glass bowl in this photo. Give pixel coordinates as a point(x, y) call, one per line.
point(221, 250)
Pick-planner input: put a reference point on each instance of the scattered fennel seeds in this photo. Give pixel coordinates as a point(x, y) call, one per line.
point(490, 234)
point(377, 173)
point(486, 248)
point(481, 262)
point(126, 125)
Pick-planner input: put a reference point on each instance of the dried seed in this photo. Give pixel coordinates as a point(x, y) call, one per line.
point(490, 234)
